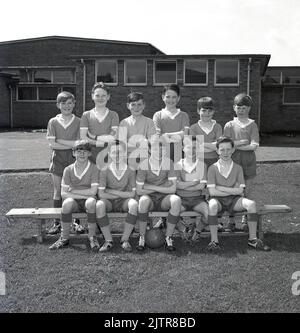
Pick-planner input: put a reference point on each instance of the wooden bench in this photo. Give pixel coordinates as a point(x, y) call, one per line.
point(43, 214)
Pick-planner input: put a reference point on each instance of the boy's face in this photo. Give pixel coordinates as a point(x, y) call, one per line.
point(82, 155)
point(241, 110)
point(225, 151)
point(100, 97)
point(136, 108)
point(66, 107)
point(117, 154)
point(206, 114)
point(189, 148)
point(170, 98)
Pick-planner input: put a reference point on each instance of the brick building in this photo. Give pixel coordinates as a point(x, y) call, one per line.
point(281, 100)
point(32, 71)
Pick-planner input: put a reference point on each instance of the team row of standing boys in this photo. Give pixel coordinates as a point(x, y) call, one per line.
point(158, 184)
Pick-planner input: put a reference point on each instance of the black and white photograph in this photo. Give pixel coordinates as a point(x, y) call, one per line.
point(150, 159)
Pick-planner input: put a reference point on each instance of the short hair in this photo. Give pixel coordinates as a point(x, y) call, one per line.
point(205, 103)
point(224, 139)
point(173, 87)
point(242, 99)
point(82, 145)
point(134, 97)
point(100, 85)
point(64, 96)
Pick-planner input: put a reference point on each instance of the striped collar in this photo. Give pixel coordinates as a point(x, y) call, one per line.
point(207, 129)
point(84, 171)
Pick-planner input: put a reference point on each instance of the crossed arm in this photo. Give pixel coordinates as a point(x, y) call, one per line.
point(169, 187)
point(69, 192)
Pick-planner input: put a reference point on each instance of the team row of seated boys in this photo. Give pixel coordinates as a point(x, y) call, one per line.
point(101, 179)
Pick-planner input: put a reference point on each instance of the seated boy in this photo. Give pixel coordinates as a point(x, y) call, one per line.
point(226, 184)
point(191, 174)
point(156, 186)
point(116, 192)
point(78, 191)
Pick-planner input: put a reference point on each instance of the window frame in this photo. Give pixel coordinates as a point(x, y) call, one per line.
point(154, 74)
point(52, 70)
point(283, 96)
point(195, 84)
point(36, 87)
point(227, 84)
point(125, 72)
point(117, 71)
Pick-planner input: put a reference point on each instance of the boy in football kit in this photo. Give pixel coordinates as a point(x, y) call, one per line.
point(244, 132)
point(171, 123)
point(156, 186)
point(117, 192)
point(62, 132)
point(137, 128)
point(208, 128)
point(191, 174)
point(99, 126)
point(225, 183)
point(78, 190)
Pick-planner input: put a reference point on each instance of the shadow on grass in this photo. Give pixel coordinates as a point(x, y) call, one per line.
point(283, 241)
point(230, 246)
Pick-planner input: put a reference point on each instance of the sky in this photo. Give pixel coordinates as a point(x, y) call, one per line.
point(173, 26)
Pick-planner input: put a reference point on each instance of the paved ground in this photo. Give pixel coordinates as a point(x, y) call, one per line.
point(29, 150)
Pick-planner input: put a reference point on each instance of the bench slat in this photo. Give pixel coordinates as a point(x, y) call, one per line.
point(48, 213)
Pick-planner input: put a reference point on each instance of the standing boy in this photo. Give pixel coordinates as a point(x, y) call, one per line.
point(225, 183)
point(78, 191)
point(62, 132)
point(244, 132)
point(136, 128)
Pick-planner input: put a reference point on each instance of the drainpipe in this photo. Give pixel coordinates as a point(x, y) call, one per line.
point(11, 107)
point(248, 75)
point(84, 83)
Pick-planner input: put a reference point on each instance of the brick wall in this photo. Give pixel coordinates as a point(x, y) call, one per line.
point(276, 117)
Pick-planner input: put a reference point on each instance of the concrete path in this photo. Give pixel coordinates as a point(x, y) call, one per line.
point(30, 151)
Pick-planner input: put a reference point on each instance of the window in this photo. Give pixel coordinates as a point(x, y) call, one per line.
point(47, 93)
point(42, 93)
point(63, 76)
point(165, 72)
point(291, 95)
point(106, 71)
point(227, 72)
point(53, 76)
point(27, 94)
point(195, 72)
point(42, 75)
point(135, 72)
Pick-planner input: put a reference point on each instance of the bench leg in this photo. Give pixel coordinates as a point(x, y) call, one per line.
point(40, 231)
point(260, 232)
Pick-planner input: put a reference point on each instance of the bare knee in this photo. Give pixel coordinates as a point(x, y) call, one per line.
point(100, 207)
point(132, 206)
point(250, 206)
point(67, 206)
point(144, 203)
point(213, 207)
point(175, 201)
point(90, 205)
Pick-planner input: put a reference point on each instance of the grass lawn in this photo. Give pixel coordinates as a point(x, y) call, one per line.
point(75, 280)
